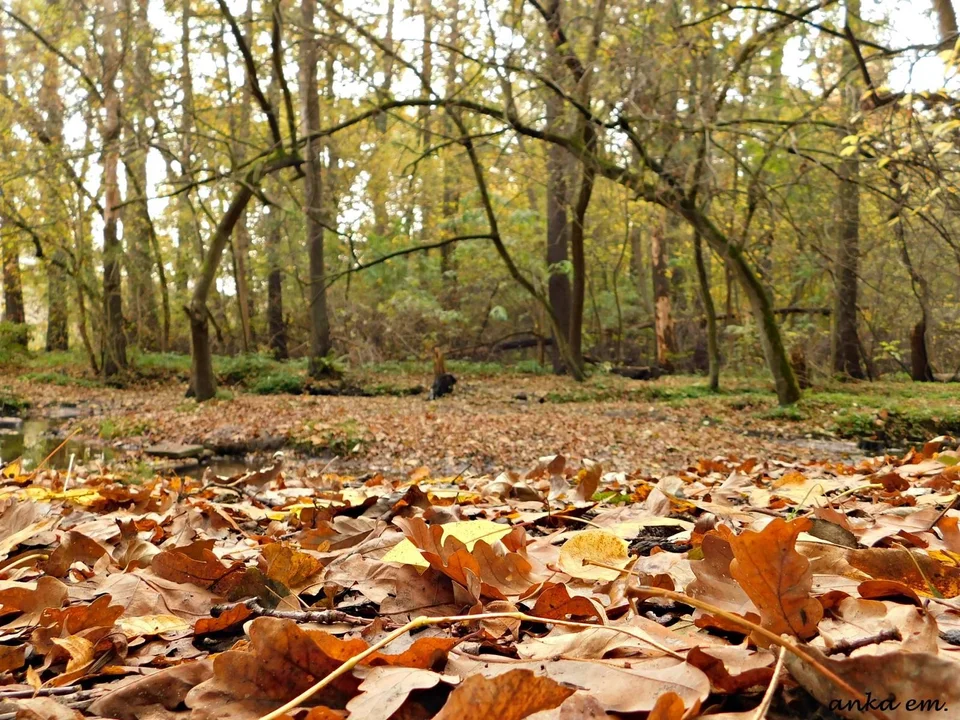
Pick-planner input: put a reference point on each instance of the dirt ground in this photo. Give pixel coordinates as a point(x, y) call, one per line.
point(488, 425)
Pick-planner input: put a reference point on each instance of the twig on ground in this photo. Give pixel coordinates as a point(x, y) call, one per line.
point(845, 647)
point(647, 591)
point(320, 617)
point(422, 622)
point(767, 700)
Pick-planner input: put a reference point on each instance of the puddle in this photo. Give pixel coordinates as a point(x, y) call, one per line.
point(38, 437)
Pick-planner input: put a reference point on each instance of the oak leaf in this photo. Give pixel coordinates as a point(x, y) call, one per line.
point(143, 696)
point(74, 547)
point(30, 603)
point(776, 577)
point(288, 565)
point(669, 706)
point(511, 696)
point(385, 689)
point(555, 603)
point(203, 568)
point(909, 678)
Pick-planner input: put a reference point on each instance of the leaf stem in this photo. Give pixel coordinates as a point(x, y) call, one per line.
point(422, 622)
point(645, 590)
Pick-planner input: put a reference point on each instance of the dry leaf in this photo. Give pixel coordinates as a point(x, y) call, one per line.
point(384, 690)
point(289, 566)
point(596, 546)
point(777, 578)
point(511, 696)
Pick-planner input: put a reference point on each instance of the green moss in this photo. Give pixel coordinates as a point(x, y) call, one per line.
point(53, 377)
point(791, 413)
point(278, 383)
point(12, 405)
point(109, 428)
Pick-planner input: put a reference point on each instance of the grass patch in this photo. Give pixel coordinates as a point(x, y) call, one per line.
point(341, 439)
point(279, 383)
point(789, 413)
point(53, 377)
point(110, 429)
point(12, 405)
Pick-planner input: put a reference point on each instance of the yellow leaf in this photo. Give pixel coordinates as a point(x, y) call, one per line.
point(12, 470)
point(467, 532)
point(151, 625)
point(595, 545)
point(406, 553)
point(78, 648)
point(33, 678)
point(11, 541)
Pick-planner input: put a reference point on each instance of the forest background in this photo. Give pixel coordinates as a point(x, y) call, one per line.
point(683, 185)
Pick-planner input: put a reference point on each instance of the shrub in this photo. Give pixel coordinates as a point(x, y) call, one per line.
point(13, 336)
point(278, 383)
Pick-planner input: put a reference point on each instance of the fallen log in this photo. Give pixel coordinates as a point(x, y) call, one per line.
point(637, 372)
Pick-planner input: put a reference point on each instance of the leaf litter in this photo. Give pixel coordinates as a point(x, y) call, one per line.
point(729, 588)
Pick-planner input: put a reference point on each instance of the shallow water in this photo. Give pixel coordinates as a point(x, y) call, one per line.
point(37, 438)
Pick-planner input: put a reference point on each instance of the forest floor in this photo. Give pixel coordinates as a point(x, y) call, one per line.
point(496, 419)
point(390, 568)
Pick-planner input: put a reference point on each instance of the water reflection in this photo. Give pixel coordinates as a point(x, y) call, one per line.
point(37, 438)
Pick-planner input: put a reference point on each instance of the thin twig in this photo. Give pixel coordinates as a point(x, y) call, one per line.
point(321, 617)
point(845, 647)
point(646, 591)
point(422, 622)
point(57, 449)
point(767, 700)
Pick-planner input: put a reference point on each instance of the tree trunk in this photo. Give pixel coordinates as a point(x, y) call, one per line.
point(451, 186)
point(710, 310)
point(845, 341)
point(186, 227)
point(203, 383)
point(241, 237)
point(662, 317)
point(276, 328)
point(313, 194)
point(947, 21)
point(577, 232)
point(57, 290)
point(114, 340)
point(920, 369)
point(142, 303)
point(13, 309)
point(557, 232)
point(788, 391)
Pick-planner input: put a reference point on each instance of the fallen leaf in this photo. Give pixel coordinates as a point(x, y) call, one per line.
point(776, 577)
point(146, 625)
point(74, 547)
point(555, 603)
point(204, 571)
point(896, 681)
point(289, 566)
point(669, 706)
point(139, 698)
point(617, 689)
point(746, 669)
point(30, 603)
point(384, 690)
point(597, 546)
point(511, 696)
point(44, 708)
